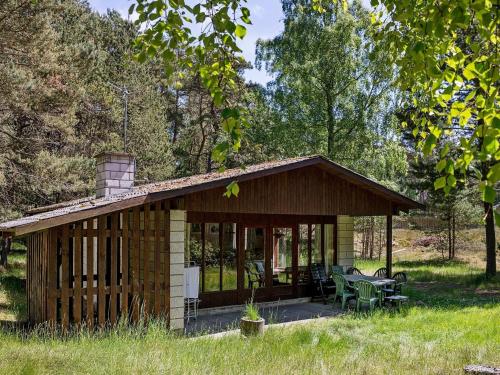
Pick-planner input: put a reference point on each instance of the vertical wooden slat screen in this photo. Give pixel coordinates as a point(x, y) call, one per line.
point(146, 258)
point(65, 276)
point(52, 277)
point(101, 270)
point(136, 233)
point(36, 277)
point(157, 258)
point(77, 286)
point(114, 265)
point(90, 274)
point(127, 264)
point(166, 264)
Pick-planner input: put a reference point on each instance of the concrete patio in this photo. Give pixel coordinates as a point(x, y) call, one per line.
point(218, 320)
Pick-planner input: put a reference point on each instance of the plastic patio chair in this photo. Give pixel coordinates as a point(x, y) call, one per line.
point(381, 272)
point(367, 293)
point(397, 288)
point(353, 271)
point(341, 289)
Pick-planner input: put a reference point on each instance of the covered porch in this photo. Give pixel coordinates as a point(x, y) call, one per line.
point(216, 320)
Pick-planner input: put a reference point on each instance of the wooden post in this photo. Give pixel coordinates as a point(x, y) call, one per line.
point(389, 246)
point(335, 244)
point(202, 227)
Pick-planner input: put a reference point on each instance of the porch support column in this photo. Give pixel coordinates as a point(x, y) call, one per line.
point(389, 246)
point(177, 234)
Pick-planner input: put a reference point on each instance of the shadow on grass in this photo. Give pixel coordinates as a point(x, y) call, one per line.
point(13, 287)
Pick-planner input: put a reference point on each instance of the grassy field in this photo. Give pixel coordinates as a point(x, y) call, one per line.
point(452, 321)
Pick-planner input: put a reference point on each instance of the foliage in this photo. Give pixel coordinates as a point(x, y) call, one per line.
point(447, 57)
point(251, 312)
point(323, 101)
point(210, 54)
point(60, 64)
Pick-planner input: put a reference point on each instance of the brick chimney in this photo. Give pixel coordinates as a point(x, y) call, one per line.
point(115, 173)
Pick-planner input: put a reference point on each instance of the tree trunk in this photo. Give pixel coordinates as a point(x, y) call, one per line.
point(449, 238)
point(491, 263)
point(5, 248)
point(454, 233)
point(372, 236)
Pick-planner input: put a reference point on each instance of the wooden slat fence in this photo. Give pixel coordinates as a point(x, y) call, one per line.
point(102, 269)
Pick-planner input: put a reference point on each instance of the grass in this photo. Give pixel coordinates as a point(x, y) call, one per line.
point(12, 287)
point(451, 322)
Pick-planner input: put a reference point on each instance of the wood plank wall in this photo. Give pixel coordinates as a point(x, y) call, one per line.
point(36, 276)
point(305, 191)
point(101, 269)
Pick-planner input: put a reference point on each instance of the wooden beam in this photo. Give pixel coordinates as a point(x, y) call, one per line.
point(101, 271)
point(65, 277)
point(90, 277)
point(221, 254)
point(147, 258)
point(389, 246)
point(125, 263)
point(166, 259)
point(202, 225)
point(114, 268)
point(77, 248)
point(136, 243)
point(157, 257)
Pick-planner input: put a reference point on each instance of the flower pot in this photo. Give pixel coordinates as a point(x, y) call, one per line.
point(251, 327)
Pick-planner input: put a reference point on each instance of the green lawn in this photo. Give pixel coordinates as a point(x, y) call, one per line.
point(452, 321)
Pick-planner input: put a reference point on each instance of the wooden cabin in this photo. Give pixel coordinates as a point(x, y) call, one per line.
point(122, 253)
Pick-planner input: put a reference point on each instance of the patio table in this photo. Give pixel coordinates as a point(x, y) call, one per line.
point(379, 282)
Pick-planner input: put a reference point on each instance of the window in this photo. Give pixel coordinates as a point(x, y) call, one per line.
point(254, 257)
point(229, 250)
point(212, 257)
point(282, 256)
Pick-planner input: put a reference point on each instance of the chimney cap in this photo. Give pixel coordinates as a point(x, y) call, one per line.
point(114, 153)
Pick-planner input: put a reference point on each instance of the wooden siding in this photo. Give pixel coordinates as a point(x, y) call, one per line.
point(101, 269)
point(306, 191)
point(36, 276)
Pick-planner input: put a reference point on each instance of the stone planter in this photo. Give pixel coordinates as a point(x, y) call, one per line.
point(252, 327)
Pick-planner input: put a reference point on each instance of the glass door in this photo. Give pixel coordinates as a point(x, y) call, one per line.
point(254, 243)
point(282, 257)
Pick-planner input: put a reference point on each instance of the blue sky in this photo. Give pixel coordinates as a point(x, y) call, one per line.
point(267, 22)
point(267, 19)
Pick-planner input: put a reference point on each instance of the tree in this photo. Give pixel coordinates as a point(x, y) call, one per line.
point(447, 59)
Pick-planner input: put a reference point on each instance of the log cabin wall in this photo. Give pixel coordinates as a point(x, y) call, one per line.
point(101, 269)
point(304, 191)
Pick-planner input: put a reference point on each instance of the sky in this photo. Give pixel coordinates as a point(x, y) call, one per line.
point(267, 22)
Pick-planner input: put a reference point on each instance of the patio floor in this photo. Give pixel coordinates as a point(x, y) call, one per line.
point(220, 320)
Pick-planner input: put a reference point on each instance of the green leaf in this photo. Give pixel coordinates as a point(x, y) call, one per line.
point(440, 183)
point(494, 173)
point(489, 194)
point(440, 166)
point(240, 31)
point(451, 181)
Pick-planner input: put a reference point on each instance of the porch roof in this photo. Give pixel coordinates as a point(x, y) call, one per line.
point(80, 209)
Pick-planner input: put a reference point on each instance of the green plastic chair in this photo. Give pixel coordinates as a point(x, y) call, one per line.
point(341, 290)
point(367, 294)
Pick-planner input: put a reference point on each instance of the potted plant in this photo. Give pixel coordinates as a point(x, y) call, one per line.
point(251, 323)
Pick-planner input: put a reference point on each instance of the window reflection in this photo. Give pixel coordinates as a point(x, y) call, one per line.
point(254, 241)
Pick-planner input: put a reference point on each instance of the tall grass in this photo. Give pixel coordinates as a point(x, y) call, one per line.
point(418, 341)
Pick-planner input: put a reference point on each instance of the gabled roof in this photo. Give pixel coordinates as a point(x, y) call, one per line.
point(84, 208)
